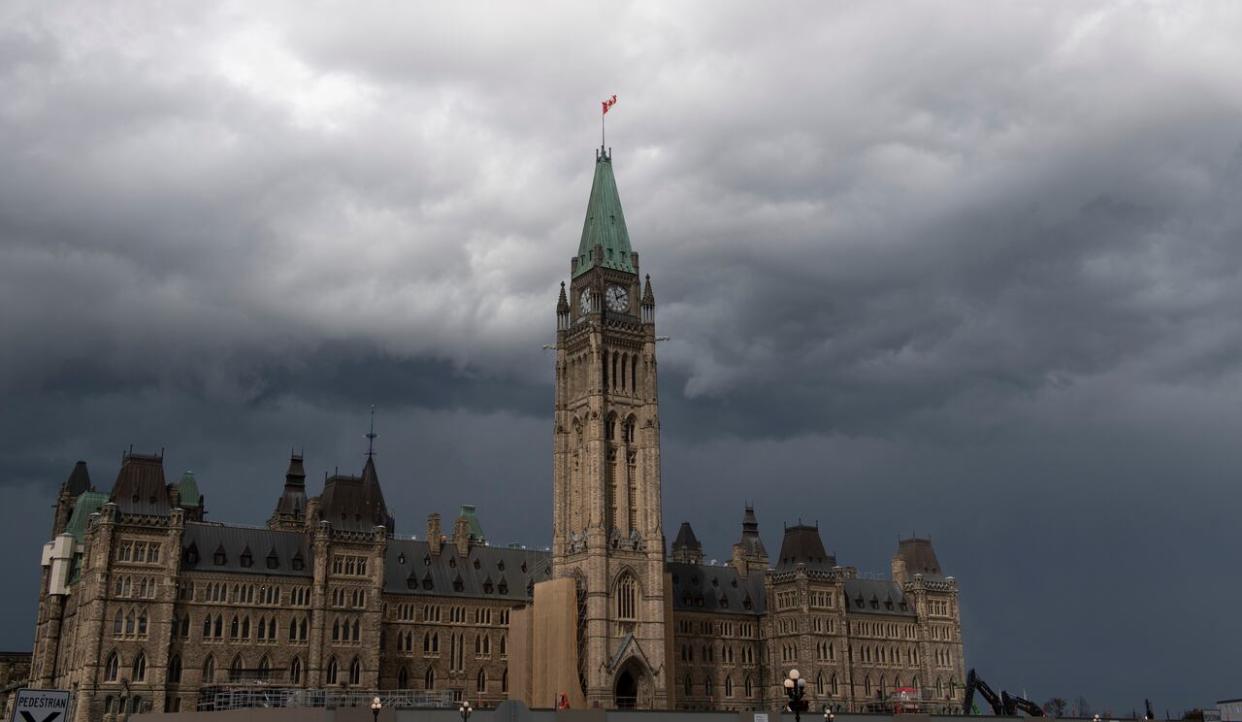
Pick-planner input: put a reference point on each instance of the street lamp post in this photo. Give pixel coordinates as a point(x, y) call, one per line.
point(828, 715)
point(376, 706)
point(795, 688)
point(465, 710)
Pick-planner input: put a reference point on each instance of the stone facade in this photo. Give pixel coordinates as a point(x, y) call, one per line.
point(145, 603)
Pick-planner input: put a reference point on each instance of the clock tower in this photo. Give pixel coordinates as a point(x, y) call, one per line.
point(607, 518)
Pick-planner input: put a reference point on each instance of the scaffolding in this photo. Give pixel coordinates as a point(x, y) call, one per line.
point(219, 698)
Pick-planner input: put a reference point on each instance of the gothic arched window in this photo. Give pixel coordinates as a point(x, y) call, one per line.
point(174, 669)
point(209, 669)
point(688, 686)
point(355, 671)
point(480, 682)
point(110, 669)
point(265, 667)
point(236, 668)
point(332, 671)
point(295, 670)
point(627, 598)
point(140, 668)
point(749, 686)
point(429, 679)
point(728, 687)
point(403, 679)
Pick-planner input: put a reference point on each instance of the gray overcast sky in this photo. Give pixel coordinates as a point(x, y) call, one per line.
point(967, 269)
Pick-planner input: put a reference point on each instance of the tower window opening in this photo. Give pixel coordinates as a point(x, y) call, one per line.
point(627, 592)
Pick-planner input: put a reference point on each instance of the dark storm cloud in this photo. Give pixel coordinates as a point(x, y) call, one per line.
point(969, 271)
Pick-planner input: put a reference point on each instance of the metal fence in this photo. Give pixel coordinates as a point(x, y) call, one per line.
point(214, 699)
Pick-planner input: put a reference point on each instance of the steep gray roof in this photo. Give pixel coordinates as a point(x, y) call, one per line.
point(686, 539)
point(876, 596)
point(271, 552)
point(355, 503)
point(79, 480)
point(920, 557)
point(719, 590)
point(140, 486)
point(486, 572)
point(802, 545)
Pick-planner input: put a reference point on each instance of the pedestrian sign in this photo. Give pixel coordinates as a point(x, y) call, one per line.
point(41, 705)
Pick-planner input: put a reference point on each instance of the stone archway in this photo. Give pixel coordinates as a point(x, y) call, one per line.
point(632, 687)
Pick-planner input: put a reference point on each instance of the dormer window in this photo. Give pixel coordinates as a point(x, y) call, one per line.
point(477, 564)
point(458, 584)
point(427, 583)
point(273, 561)
point(247, 559)
point(401, 558)
point(298, 563)
point(487, 587)
point(503, 587)
point(500, 565)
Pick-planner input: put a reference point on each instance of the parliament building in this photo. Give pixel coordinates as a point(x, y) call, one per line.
point(147, 604)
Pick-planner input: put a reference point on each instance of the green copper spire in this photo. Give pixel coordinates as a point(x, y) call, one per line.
point(605, 223)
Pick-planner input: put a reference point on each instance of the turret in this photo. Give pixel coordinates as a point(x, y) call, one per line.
point(686, 547)
point(562, 311)
point(749, 552)
point(78, 481)
point(290, 510)
point(648, 302)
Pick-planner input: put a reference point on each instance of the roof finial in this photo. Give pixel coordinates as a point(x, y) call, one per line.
point(371, 434)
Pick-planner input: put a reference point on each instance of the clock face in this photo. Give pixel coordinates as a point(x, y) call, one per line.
point(618, 298)
point(584, 301)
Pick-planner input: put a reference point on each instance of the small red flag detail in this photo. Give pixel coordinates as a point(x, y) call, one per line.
point(609, 103)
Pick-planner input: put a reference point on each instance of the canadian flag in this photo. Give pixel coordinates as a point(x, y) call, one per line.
point(609, 103)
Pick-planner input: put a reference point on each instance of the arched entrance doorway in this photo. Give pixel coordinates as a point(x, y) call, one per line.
point(632, 687)
point(626, 693)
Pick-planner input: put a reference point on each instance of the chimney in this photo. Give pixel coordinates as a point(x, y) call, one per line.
point(433, 533)
point(461, 535)
point(899, 570)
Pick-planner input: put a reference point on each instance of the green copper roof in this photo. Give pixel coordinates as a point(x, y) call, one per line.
point(188, 489)
point(476, 529)
point(88, 503)
point(605, 223)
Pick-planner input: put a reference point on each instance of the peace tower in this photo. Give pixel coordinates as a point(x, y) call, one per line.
point(607, 528)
